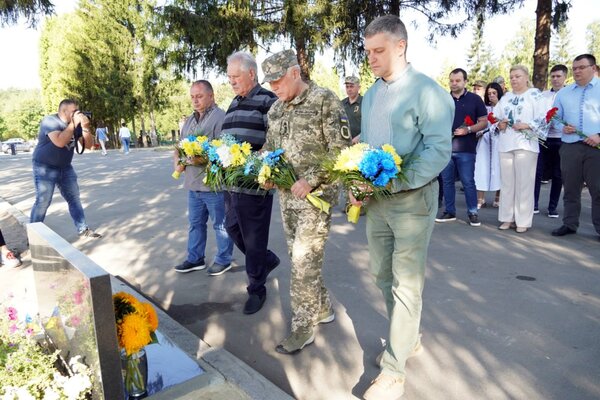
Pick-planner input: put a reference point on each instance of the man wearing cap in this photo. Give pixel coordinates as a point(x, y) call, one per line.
point(248, 210)
point(479, 89)
point(352, 105)
point(306, 120)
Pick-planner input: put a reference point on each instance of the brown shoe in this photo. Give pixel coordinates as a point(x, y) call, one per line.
point(385, 387)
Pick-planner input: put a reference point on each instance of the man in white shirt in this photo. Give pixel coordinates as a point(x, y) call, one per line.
point(549, 158)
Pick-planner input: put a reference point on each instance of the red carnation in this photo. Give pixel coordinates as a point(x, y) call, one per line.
point(550, 114)
point(491, 118)
point(469, 121)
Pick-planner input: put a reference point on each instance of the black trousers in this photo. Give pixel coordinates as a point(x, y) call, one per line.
point(580, 163)
point(2, 242)
point(549, 160)
point(247, 221)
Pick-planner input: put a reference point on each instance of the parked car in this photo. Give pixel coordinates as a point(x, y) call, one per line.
point(21, 145)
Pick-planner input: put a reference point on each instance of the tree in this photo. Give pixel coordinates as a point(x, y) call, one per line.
point(208, 30)
point(549, 14)
point(476, 57)
point(592, 35)
point(562, 53)
point(12, 10)
point(327, 78)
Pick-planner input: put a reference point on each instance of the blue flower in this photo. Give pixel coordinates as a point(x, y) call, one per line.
point(378, 166)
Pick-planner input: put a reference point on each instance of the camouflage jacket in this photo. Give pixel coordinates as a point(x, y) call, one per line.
point(311, 125)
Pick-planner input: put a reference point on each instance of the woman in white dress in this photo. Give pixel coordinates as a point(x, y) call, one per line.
point(487, 162)
point(520, 113)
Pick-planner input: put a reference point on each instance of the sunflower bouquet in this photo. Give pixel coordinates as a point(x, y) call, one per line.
point(224, 155)
point(136, 326)
point(272, 167)
point(366, 172)
point(191, 152)
point(551, 115)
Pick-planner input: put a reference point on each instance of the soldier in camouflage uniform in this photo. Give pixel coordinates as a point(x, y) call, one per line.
point(306, 120)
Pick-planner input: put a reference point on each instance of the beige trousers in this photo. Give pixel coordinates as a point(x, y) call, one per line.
point(517, 181)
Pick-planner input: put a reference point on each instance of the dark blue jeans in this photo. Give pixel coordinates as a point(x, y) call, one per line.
point(45, 179)
point(201, 206)
point(464, 163)
point(549, 158)
point(247, 220)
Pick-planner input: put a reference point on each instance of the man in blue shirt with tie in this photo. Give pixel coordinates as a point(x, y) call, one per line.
point(579, 107)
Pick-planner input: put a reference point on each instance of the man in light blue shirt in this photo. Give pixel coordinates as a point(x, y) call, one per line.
point(414, 114)
point(579, 108)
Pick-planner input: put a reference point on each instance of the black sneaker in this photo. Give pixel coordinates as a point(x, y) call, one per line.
point(254, 303)
point(552, 214)
point(536, 210)
point(187, 266)
point(218, 269)
point(474, 220)
point(89, 233)
point(446, 217)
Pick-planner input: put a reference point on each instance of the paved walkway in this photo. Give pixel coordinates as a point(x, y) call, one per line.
point(487, 333)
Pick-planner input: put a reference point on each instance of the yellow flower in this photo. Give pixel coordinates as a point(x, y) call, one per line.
point(390, 149)
point(201, 139)
point(350, 157)
point(246, 148)
point(264, 174)
point(216, 143)
point(134, 333)
point(151, 316)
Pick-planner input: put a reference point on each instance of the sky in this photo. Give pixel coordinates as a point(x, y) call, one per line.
point(19, 44)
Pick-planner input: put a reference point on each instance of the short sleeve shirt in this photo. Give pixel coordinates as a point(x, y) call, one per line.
point(47, 152)
point(471, 105)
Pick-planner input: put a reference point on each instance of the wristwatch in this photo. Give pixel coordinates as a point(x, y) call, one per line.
point(469, 129)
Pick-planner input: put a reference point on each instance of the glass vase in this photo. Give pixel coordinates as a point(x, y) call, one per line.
point(135, 373)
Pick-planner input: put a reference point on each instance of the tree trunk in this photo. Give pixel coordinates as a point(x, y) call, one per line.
point(541, 54)
point(395, 7)
point(302, 58)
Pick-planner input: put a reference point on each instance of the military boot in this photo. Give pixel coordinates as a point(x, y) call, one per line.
point(325, 316)
point(296, 341)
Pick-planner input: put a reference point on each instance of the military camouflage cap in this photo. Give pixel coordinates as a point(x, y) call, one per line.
point(352, 79)
point(480, 83)
point(277, 65)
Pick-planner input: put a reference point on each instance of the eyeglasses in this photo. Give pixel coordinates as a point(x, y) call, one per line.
point(582, 67)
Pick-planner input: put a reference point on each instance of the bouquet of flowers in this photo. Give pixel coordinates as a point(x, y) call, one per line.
point(366, 172)
point(29, 371)
point(271, 166)
point(136, 325)
point(529, 134)
point(191, 152)
point(551, 115)
point(223, 154)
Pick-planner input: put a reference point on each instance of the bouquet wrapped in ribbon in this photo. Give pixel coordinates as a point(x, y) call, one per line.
point(224, 155)
point(551, 115)
point(271, 166)
point(191, 152)
point(366, 172)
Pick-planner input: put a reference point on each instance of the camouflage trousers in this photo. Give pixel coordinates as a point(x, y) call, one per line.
point(306, 230)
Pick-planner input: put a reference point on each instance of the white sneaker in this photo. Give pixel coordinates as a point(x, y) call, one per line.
point(385, 387)
point(10, 260)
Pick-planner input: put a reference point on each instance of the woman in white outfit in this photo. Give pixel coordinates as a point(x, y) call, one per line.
point(520, 113)
point(487, 162)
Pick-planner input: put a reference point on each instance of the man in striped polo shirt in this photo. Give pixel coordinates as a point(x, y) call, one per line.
point(248, 210)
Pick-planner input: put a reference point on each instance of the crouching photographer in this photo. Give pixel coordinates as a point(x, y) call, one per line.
point(58, 137)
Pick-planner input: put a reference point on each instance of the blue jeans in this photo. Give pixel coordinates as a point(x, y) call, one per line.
point(465, 165)
point(125, 142)
point(202, 205)
point(45, 179)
